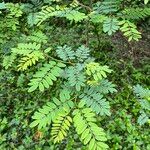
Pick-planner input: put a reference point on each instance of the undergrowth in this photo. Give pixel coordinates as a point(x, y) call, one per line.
point(63, 84)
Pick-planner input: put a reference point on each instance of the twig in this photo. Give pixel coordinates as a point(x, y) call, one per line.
point(98, 38)
point(62, 61)
point(85, 6)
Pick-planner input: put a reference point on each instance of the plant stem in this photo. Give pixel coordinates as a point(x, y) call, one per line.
point(98, 38)
point(85, 6)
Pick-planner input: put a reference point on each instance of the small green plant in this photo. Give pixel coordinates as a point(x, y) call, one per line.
point(143, 97)
point(80, 83)
point(78, 101)
point(55, 91)
point(107, 13)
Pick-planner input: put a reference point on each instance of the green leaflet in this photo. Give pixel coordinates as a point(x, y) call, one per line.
point(29, 60)
point(8, 61)
point(141, 92)
point(97, 18)
point(143, 118)
point(82, 53)
point(74, 15)
point(46, 75)
point(105, 87)
point(60, 127)
point(136, 13)
point(95, 101)
point(76, 77)
point(30, 53)
point(106, 6)
point(90, 134)
point(143, 98)
point(26, 48)
point(110, 25)
point(38, 37)
point(97, 72)
point(65, 52)
point(129, 30)
point(49, 112)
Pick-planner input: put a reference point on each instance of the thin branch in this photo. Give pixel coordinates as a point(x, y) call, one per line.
point(58, 60)
point(85, 6)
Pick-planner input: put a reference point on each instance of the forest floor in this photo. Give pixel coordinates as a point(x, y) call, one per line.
point(134, 50)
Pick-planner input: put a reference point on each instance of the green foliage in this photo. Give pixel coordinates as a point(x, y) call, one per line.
point(146, 1)
point(3, 124)
point(99, 14)
point(82, 53)
point(75, 77)
point(44, 14)
point(52, 110)
point(55, 91)
point(2, 6)
point(31, 54)
point(136, 13)
point(47, 12)
point(74, 15)
point(96, 71)
point(26, 48)
point(110, 25)
point(129, 30)
point(143, 118)
point(95, 100)
point(143, 97)
point(106, 7)
point(60, 127)
point(97, 18)
point(57, 110)
point(141, 92)
point(14, 9)
point(8, 61)
point(105, 87)
point(12, 19)
point(29, 60)
point(65, 53)
point(90, 134)
point(45, 76)
point(38, 37)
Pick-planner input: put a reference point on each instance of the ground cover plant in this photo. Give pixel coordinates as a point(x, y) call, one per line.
point(73, 75)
